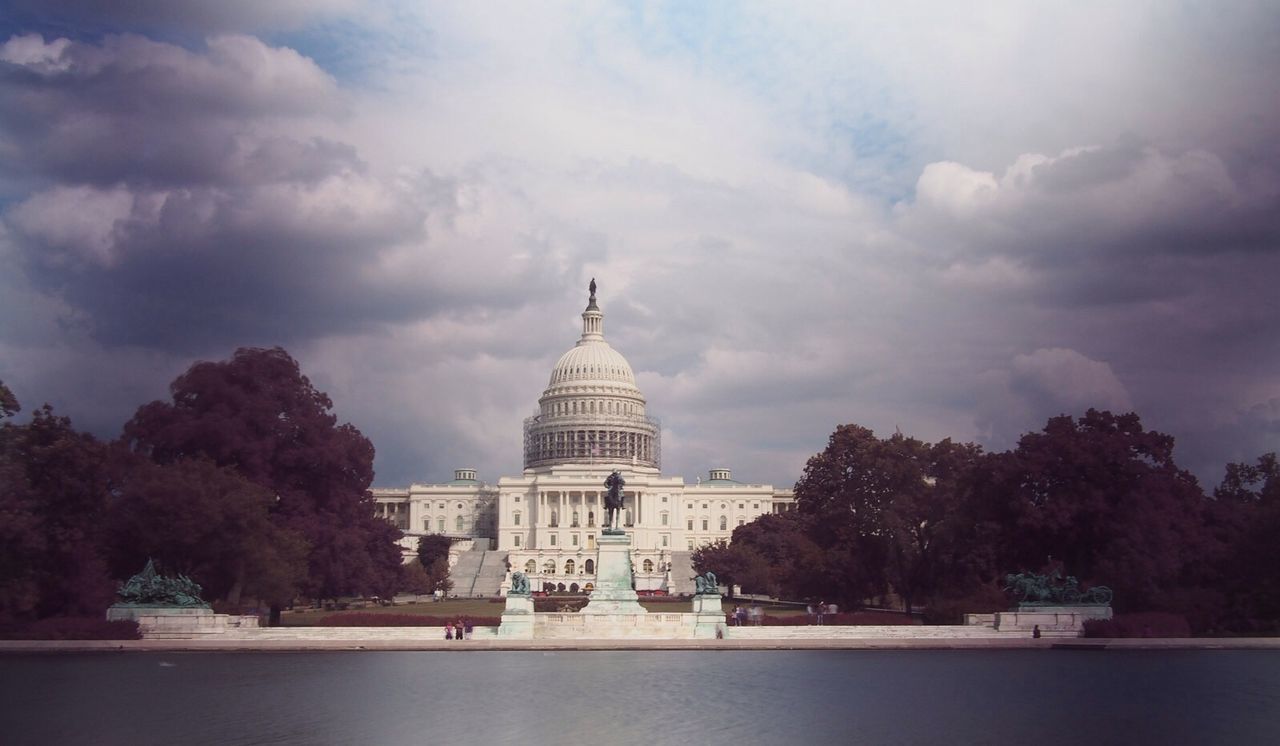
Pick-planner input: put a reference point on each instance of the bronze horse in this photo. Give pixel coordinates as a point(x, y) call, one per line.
point(613, 499)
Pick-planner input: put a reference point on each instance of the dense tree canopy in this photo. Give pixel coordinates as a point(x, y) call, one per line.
point(1099, 496)
point(54, 488)
point(260, 415)
point(1104, 496)
point(209, 523)
point(885, 512)
point(1249, 507)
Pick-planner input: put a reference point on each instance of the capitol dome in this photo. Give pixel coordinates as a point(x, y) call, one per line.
point(591, 412)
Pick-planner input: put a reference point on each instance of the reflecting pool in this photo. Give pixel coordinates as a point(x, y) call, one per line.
point(699, 698)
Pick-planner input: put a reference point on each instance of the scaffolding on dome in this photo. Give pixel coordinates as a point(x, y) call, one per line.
point(634, 440)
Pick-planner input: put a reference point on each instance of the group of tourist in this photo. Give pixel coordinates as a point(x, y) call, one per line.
point(819, 610)
point(753, 615)
point(459, 630)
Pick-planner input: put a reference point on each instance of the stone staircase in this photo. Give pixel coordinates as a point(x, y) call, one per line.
point(493, 570)
point(682, 574)
point(464, 572)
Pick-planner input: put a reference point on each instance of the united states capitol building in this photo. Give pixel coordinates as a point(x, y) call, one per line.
point(590, 421)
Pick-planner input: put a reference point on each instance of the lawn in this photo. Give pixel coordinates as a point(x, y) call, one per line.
point(479, 607)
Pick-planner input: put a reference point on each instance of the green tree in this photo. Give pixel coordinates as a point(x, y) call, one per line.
point(259, 414)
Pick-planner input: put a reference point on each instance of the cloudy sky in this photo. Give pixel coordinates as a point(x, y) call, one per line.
point(956, 222)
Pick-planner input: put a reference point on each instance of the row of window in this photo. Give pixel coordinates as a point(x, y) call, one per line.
point(587, 370)
point(724, 523)
point(552, 540)
point(603, 406)
point(588, 567)
point(725, 506)
point(459, 524)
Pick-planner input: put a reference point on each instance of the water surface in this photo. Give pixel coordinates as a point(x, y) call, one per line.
point(701, 698)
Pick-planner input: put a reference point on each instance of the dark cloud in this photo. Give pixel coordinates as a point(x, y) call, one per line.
point(138, 111)
point(187, 15)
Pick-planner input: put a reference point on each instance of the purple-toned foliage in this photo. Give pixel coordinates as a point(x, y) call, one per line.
point(402, 620)
point(72, 628)
point(1139, 624)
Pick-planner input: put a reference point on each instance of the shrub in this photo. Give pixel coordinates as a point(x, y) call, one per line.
point(555, 604)
point(73, 628)
point(847, 619)
point(402, 620)
point(1139, 624)
point(951, 609)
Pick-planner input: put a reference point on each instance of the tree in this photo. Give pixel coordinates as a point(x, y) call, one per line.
point(776, 556)
point(1104, 496)
point(1249, 499)
point(54, 485)
point(209, 523)
point(928, 541)
point(886, 512)
point(8, 402)
point(260, 415)
point(433, 547)
point(722, 559)
point(433, 559)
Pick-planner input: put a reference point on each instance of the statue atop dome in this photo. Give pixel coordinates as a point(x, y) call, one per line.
point(592, 287)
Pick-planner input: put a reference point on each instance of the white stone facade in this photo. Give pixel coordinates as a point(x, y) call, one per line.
point(591, 420)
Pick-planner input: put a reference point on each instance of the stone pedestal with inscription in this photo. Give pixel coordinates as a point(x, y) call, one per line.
point(613, 593)
point(709, 616)
point(517, 618)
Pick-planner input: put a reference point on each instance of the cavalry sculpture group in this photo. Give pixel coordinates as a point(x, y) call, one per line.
point(1054, 590)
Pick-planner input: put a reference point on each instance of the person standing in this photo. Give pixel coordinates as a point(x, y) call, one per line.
point(466, 626)
point(448, 630)
point(821, 609)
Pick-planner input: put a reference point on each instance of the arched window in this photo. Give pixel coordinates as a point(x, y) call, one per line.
point(627, 520)
point(665, 518)
point(459, 523)
point(426, 523)
point(648, 565)
point(589, 567)
point(555, 518)
point(568, 567)
point(724, 523)
point(515, 518)
point(440, 525)
point(575, 519)
point(530, 567)
point(549, 567)
point(591, 518)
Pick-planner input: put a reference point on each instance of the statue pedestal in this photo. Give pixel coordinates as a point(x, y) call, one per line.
point(517, 618)
point(156, 621)
point(708, 617)
point(613, 593)
point(1053, 621)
